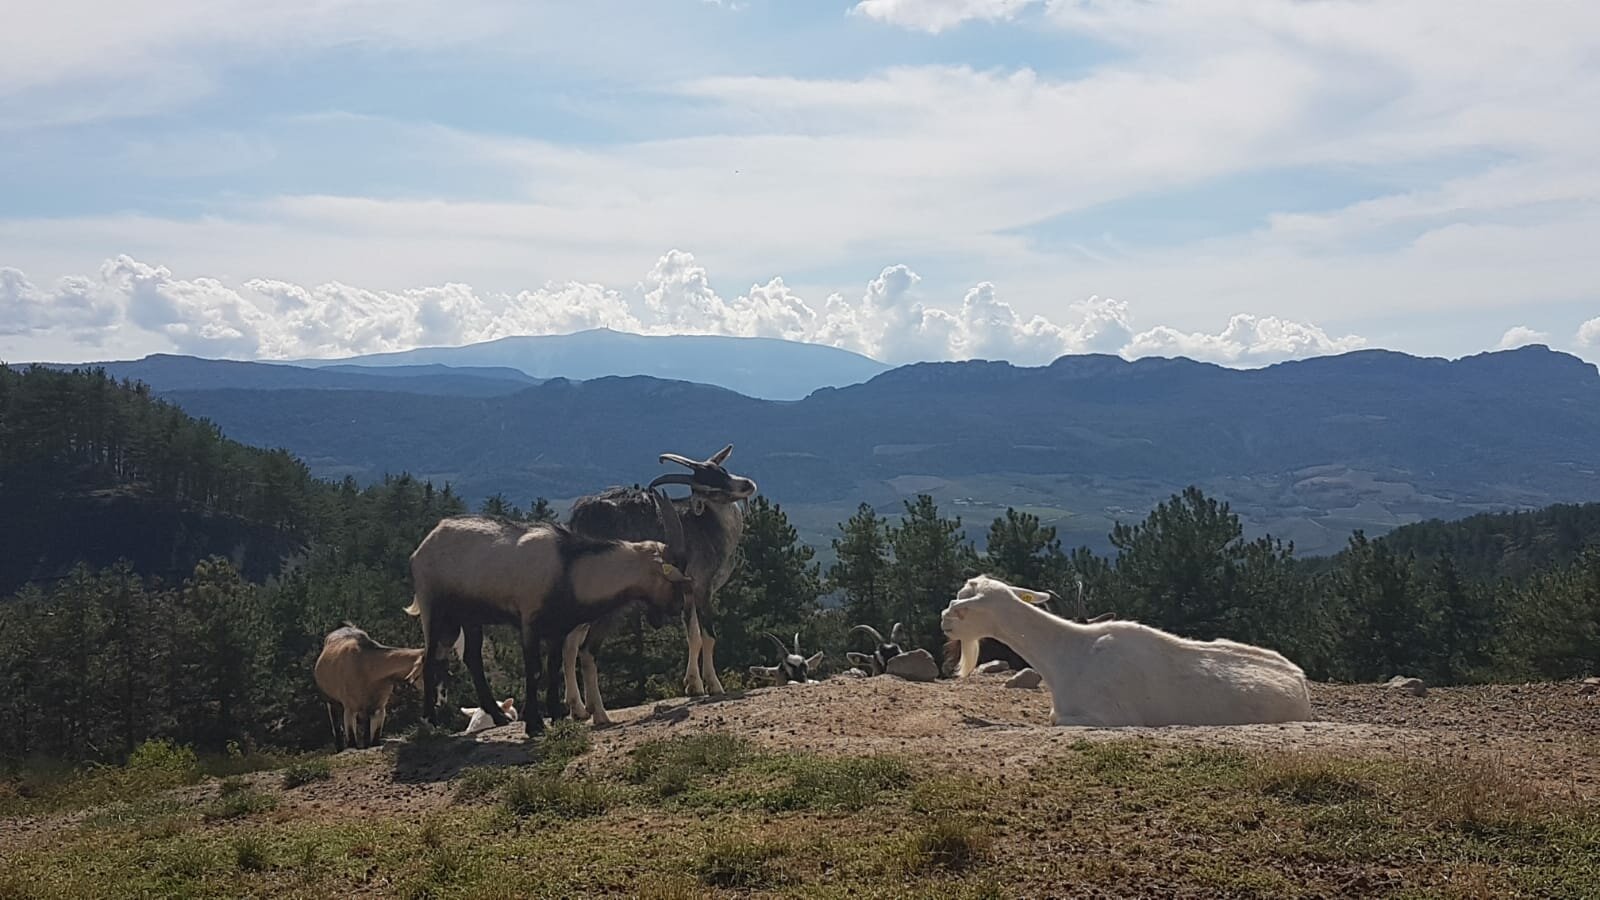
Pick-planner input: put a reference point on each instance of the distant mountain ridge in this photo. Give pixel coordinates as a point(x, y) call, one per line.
point(165, 372)
point(1306, 450)
point(769, 368)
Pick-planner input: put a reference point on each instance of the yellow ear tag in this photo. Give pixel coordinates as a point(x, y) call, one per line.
point(1029, 597)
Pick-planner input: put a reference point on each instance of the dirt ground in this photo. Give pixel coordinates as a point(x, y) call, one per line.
point(1548, 733)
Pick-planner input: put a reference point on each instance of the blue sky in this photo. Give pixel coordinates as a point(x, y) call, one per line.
point(1242, 181)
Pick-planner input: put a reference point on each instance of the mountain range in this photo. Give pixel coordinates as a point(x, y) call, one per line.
point(1306, 450)
point(769, 368)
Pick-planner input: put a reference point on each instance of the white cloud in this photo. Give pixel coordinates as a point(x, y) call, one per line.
point(892, 320)
point(1589, 333)
point(1520, 336)
point(934, 16)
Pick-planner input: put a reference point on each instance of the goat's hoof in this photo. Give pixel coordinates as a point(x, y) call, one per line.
point(579, 713)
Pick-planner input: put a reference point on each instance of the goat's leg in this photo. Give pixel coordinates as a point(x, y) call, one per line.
point(378, 715)
point(569, 671)
point(336, 722)
point(351, 727)
point(591, 687)
point(531, 646)
point(692, 683)
point(472, 657)
point(436, 640)
point(553, 707)
point(708, 669)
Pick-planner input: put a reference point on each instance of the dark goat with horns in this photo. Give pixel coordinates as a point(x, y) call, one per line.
point(713, 524)
point(877, 662)
point(792, 667)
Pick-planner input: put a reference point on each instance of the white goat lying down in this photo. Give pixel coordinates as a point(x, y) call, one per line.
point(357, 675)
point(1123, 673)
point(481, 721)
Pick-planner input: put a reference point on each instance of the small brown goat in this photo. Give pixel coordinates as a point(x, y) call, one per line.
point(357, 675)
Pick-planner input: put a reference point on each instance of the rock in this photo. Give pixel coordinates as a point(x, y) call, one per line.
point(1412, 686)
point(918, 665)
point(1027, 678)
point(853, 673)
point(1589, 686)
point(994, 667)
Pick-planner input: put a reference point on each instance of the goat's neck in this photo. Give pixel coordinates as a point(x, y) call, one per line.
point(397, 663)
point(1038, 637)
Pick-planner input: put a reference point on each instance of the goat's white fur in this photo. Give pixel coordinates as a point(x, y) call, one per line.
point(969, 648)
point(481, 720)
point(1122, 673)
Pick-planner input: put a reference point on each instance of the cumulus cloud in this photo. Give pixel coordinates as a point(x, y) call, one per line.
point(1520, 336)
point(893, 318)
point(1589, 333)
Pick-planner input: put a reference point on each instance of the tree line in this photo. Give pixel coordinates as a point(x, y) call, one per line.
point(95, 660)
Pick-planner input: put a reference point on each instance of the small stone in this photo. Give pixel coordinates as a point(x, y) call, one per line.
point(1589, 686)
point(1027, 678)
point(917, 665)
point(1412, 686)
point(994, 667)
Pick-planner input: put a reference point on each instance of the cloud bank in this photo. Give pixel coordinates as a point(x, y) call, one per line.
point(891, 320)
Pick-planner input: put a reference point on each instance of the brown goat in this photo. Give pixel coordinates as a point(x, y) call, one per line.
point(357, 675)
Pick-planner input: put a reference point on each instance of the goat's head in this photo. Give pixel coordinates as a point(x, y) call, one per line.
point(708, 480)
point(792, 666)
point(970, 616)
point(507, 706)
point(669, 561)
point(882, 650)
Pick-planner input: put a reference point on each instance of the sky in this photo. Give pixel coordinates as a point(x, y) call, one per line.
point(1238, 181)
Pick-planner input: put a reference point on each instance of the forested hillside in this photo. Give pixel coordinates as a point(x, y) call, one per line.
point(96, 658)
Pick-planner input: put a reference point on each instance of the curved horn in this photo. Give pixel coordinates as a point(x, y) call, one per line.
point(876, 637)
point(672, 526)
point(678, 458)
point(797, 643)
point(783, 652)
point(672, 478)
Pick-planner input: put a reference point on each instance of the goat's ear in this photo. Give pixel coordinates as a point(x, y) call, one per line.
point(721, 455)
point(814, 660)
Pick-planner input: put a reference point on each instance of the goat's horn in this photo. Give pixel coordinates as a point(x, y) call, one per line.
point(876, 637)
point(671, 478)
point(783, 652)
point(797, 643)
point(678, 458)
point(672, 527)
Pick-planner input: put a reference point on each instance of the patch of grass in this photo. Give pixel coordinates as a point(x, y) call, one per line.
point(544, 794)
point(306, 771)
point(1316, 779)
point(829, 783)
point(250, 853)
point(238, 799)
point(739, 862)
point(480, 781)
point(949, 845)
point(674, 766)
point(563, 742)
point(47, 787)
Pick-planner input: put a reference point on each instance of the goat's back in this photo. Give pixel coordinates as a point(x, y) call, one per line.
point(1134, 674)
point(494, 562)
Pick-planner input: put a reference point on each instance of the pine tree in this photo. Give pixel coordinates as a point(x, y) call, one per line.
point(862, 568)
point(931, 561)
point(774, 588)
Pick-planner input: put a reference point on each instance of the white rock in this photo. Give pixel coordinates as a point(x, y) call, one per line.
point(917, 665)
point(1412, 686)
point(1589, 686)
point(994, 667)
point(1027, 678)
